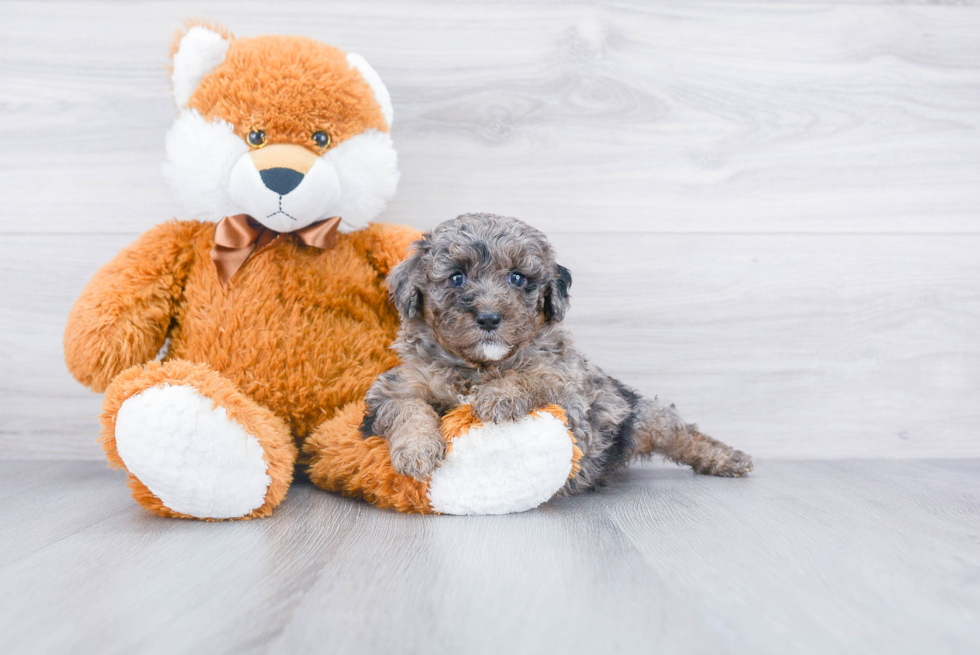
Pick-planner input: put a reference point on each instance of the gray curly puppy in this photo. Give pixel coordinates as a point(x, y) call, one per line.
point(481, 299)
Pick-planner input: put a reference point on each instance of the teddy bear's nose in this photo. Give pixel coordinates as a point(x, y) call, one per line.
point(281, 180)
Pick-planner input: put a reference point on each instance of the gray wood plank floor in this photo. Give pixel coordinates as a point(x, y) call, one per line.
point(802, 557)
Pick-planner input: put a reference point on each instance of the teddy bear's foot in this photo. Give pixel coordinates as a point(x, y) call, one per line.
point(488, 468)
point(500, 468)
point(193, 445)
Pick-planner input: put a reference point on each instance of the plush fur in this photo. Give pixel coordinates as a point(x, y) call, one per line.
point(201, 155)
point(199, 52)
point(299, 330)
point(288, 88)
point(342, 460)
point(271, 432)
point(499, 468)
point(482, 480)
point(298, 333)
point(481, 300)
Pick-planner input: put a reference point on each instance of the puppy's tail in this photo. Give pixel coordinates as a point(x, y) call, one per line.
point(659, 429)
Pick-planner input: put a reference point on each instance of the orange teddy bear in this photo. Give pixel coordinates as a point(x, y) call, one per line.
point(234, 347)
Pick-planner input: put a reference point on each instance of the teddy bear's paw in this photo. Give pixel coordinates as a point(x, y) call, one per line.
point(190, 454)
point(499, 468)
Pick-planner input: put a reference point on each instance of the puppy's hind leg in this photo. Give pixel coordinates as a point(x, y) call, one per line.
point(659, 429)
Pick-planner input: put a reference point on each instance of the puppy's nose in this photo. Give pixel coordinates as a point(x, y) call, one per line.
point(489, 321)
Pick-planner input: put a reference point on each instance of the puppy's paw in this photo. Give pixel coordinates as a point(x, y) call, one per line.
point(495, 405)
point(735, 465)
point(417, 455)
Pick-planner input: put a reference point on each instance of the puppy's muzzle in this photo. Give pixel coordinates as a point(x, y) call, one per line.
point(489, 321)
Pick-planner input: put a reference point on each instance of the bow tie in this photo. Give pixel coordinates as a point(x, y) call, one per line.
point(236, 238)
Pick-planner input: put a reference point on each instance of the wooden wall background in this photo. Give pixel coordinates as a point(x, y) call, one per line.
point(771, 209)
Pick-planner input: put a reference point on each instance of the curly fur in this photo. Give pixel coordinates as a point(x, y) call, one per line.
point(525, 362)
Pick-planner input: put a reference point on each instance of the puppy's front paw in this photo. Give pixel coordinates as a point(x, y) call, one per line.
point(494, 405)
point(417, 455)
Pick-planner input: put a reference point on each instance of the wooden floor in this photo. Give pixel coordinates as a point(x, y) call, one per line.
point(851, 556)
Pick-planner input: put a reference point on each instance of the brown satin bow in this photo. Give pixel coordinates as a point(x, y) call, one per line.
point(236, 238)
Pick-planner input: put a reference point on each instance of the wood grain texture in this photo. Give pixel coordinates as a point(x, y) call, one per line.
point(783, 345)
point(771, 209)
point(802, 557)
point(594, 117)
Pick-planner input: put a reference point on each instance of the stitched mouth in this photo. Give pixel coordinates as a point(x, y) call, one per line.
point(280, 211)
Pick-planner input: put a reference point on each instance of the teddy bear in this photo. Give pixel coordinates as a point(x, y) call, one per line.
point(239, 343)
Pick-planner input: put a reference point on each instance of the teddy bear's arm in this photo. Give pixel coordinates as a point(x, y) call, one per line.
point(385, 245)
point(123, 315)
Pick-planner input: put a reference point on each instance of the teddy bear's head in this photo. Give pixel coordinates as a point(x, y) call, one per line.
point(287, 130)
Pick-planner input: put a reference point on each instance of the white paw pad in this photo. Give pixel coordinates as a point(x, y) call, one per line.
point(503, 468)
point(186, 451)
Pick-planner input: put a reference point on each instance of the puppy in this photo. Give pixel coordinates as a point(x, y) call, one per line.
point(481, 299)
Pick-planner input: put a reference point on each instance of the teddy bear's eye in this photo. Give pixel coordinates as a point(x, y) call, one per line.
point(457, 280)
point(256, 138)
point(321, 139)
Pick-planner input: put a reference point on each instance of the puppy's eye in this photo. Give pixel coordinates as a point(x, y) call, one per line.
point(457, 280)
point(256, 138)
point(517, 279)
point(321, 139)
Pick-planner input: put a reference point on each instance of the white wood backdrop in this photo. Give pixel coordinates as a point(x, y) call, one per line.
point(771, 210)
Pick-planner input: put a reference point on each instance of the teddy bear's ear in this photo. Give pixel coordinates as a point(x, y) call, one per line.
point(198, 52)
point(374, 81)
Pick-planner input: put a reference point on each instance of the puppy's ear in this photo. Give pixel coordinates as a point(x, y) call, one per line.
point(556, 295)
point(406, 280)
